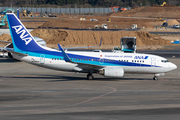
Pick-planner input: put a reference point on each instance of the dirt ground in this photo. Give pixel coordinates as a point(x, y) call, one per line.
point(144, 17)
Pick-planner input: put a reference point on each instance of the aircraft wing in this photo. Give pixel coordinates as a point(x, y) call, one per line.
point(2, 49)
point(82, 65)
point(11, 50)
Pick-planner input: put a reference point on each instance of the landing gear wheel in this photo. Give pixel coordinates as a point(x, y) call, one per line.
point(90, 77)
point(155, 78)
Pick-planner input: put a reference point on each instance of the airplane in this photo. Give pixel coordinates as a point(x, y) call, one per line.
point(109, 64)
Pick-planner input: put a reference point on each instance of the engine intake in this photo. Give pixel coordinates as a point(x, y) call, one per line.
point(112, 72)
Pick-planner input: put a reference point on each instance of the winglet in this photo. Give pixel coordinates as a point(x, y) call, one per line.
point(66, 58)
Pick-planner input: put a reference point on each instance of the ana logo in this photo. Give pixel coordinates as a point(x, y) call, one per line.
point(141, 57)
point(19, 30)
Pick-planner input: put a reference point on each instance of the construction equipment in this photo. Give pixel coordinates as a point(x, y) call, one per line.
point(82, 19)
point(163, 26)
point(8, 10)
point(134, 26)
point(108, 20)
point(93, 19)
point(163, 4)
point(24, 13)
point(27, 13)
point(31, 14)
point(112, 8)
point(119, 8)
point(122, 9)
point(103, 26)
point(160, 19)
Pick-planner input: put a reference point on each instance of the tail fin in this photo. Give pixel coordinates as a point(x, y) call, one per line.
point(22, 40)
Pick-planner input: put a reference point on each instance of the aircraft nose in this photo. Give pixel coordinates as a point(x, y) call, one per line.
point(173, 66)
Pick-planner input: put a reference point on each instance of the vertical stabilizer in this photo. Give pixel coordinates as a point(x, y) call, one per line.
point(22, 40)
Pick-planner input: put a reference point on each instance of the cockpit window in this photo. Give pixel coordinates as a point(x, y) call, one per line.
point(164, 61)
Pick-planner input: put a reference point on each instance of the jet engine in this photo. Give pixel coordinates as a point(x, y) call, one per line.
point(10, 55)
point(112, 72)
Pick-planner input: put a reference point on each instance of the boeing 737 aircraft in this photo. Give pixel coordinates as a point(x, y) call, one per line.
point(109, 64)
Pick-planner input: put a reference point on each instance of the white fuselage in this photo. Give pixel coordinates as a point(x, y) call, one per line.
point(130, 62)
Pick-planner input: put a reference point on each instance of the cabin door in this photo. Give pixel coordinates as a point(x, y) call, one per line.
point(42, 58)
point(153, 62)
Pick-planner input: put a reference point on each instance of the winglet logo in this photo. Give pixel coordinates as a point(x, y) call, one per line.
point(141, 57)
point(19, 30)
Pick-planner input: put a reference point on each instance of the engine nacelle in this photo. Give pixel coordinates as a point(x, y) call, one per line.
point(112, 72)
point(10, 55)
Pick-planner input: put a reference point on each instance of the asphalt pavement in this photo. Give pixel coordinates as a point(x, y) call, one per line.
point(28, 92)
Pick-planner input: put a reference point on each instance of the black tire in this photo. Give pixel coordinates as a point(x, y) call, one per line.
point(90, 77)
point(155, 78)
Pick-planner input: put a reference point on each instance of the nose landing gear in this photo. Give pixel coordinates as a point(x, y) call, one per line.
point(155, 78)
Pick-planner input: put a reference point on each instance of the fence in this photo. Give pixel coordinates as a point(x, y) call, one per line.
point(63, 10)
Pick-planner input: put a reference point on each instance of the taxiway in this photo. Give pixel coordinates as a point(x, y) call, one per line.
point(30, 92)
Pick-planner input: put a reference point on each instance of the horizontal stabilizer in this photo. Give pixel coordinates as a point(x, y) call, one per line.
point(5, 41)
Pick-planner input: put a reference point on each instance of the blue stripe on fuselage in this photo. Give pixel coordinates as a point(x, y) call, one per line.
point(80, 59)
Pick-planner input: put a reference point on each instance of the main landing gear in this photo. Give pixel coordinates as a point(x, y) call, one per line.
point(155, 78)
point(90, 76)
